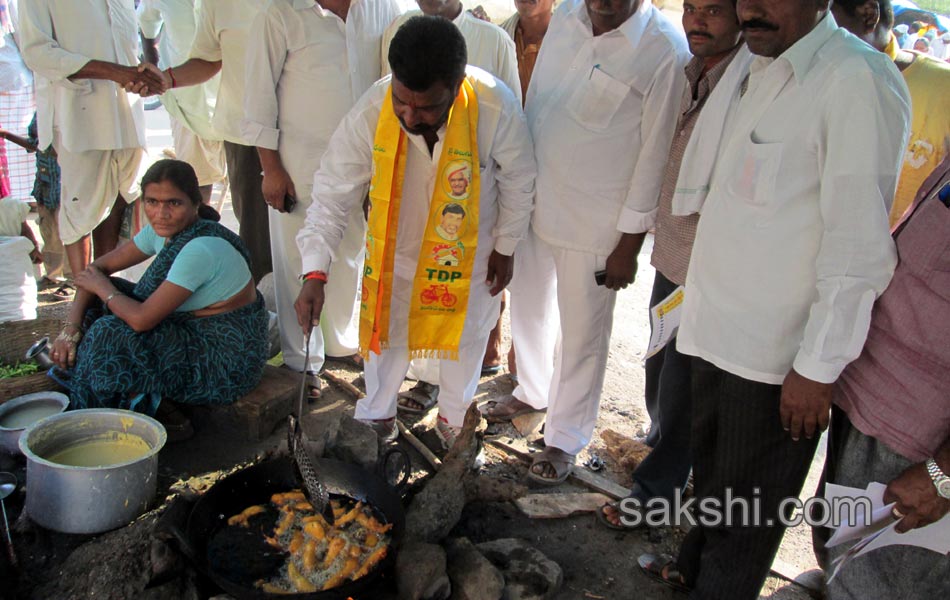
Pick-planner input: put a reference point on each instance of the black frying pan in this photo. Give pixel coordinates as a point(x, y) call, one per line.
point(255, 485)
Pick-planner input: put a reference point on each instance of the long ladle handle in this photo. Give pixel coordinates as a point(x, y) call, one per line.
point(6, 525)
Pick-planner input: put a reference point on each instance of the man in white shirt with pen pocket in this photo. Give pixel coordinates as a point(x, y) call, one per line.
point(602, 107)
point(791, 251)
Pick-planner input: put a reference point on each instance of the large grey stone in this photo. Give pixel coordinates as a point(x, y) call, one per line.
point(420, 572)
point(529, 574)
point(321, 426)
point(356, 442)
point(473, 576)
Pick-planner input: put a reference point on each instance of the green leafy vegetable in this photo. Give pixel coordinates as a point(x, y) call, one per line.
point(18, 370)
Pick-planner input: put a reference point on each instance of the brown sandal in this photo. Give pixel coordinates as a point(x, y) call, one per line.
point(560, 461)
point(506, 409)
point(662, 568)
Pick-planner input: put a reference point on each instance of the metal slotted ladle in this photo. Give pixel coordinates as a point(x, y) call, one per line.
point(314, 489)
point(8, 483)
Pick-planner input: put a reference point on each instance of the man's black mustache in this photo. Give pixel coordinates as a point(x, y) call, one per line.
point(758, 24)
point(702, 33)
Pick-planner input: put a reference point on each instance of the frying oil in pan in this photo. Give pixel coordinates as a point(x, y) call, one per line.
point(304, 553)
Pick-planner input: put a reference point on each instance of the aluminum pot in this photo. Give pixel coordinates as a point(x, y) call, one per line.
point(51, 402)
point(88, 500)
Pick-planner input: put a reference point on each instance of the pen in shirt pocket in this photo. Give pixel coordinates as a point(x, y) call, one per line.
point(592, 69)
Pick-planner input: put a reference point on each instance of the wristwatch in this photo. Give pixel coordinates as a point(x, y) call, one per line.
point(940, 479)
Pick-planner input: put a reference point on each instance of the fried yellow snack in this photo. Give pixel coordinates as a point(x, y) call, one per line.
point(348, 568)
point(316, 519)
point(315, 530)
point(285, 522)
point(350, 516)
point(273, 542)
point(310, 556)
point(371, 540)
point(293, 496)
point(303, 507)
point(242, 517)
point(270, 588)
point(371, 561)
point(296, 542)
point(336, 546)
point(370, 522)
point(355, 551)
point(300, 583)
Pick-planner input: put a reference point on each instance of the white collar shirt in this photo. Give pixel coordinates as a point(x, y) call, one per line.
point(306, 69)
point(222, 31)
point(506, 169)
point(58, 38)
point(602, 112)
point(14, 74)
point(176, 21)
point(489, 47)
point(793, 245)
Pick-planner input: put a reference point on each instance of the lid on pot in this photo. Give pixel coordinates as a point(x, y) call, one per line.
point(23, 411)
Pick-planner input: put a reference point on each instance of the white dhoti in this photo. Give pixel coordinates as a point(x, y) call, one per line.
point(338, 334)
point(457, 379)
point(206, 157)
point(91, 182)
point(554, 290)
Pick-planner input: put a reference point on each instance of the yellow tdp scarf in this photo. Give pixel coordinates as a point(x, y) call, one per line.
point(440, 287)
point(892, 47)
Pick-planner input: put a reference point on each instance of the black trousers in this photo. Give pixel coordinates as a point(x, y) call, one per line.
point(668, 402)
point(247, 199)
point(739, 445)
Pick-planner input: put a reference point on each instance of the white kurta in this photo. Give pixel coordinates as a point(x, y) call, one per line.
point(176, 21)
point(301, 56)
point(222, 31)
point(793, 246)
point(507, 172)
point(489, 47)
point(602, 110)
point(58, 38)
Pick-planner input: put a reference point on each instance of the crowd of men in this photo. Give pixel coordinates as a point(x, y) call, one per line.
point(791, 157)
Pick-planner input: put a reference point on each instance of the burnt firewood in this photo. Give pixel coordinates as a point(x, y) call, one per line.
point(438, 507)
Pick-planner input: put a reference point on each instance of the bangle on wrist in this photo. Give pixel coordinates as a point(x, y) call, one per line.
point(111, 296)
point(73, 339)
point(171, 76)
point(318, 275)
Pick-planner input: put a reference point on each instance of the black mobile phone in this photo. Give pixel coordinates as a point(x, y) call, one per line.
point(289, 203)
point(600, 277)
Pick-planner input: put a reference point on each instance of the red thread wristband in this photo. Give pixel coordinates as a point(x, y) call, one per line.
point(318, 275)
point(172, 76)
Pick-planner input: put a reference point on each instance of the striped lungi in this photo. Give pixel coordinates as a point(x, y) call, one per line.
point(16, 112)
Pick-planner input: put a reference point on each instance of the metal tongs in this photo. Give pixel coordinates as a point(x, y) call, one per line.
point(313, 488)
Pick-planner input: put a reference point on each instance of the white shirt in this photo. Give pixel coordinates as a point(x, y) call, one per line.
point(58, 38)
point(506, 169)
point(223, 26)
point(306, 69)
point(489, 47)
point(938, 47)
point(175, 20)
point(602, 111)
point(793, 245)
point(14, 75)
